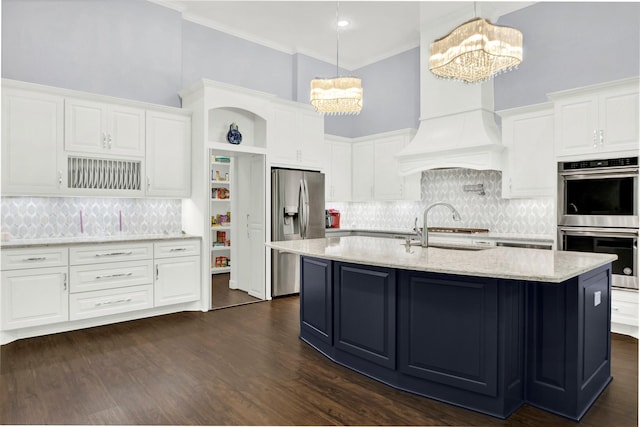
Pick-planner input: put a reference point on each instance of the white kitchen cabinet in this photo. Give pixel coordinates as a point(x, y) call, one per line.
point(362, 171)
point(32, 139)
point(177, 272)
point(34, 289)
point(596, 121)
point(530, 165)
point(624, 311)
point(337, 169)
point(375, 168)
point(101, 128)
point(168, 154)
point(297, 138)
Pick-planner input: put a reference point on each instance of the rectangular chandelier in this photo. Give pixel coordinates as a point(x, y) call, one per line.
point(339, 95)
point(476, 51)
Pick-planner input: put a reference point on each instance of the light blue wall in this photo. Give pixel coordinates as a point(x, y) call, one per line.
point(139, 50)
point(214, 55)
point(124, 48)
point(569, 45)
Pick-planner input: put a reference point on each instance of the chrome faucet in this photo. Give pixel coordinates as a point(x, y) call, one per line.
point(425, 233)
point(417, 230)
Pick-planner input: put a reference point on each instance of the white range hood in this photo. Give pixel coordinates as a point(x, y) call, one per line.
point(457, 125)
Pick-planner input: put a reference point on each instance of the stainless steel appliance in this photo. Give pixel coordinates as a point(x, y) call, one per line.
point(598, 212)
point(297, 212)
point(598, 193)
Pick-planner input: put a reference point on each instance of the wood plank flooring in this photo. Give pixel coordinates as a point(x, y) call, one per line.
point(239, 366)
point(222, 296)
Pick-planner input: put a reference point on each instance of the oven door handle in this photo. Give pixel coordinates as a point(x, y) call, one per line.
point(598, 232)
point(569, 176)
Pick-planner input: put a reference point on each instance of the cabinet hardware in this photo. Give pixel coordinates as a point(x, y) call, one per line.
point(148, 183)
point(601, 137)
point(248, 235)
point(114, 254)
point(595, 137)
point(109, 276)
point(177, 249)
point(157, 272)
point(64, 281)
point(60, 177)
point(104, 140)
point(98, 304)
point(41, 258)
point(109, 141)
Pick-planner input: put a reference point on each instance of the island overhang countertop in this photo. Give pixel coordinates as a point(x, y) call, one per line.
point(500, 262)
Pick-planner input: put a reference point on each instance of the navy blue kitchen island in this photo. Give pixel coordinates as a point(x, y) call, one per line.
point(485, 343)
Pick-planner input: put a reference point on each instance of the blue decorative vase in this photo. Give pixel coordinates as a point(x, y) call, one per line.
point(234, 136)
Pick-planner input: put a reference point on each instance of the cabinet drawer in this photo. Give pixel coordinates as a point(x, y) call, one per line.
point(174, 248)
point(92, 254)
point(86, 305)
point(95, 277)
point(624, 308)
point(14, 259)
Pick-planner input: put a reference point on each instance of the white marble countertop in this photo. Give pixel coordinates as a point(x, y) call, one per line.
point(52, 241)
point(543, 238)
point(495, 261)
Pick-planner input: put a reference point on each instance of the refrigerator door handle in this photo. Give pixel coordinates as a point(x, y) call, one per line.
point(302, 210)
point(306, 207)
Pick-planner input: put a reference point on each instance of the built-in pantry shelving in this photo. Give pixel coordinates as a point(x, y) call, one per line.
point(220, 209)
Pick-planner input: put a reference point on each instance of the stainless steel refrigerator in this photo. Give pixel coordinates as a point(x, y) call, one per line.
point(297, 212)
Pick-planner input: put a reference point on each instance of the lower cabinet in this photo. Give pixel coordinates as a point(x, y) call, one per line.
point(482, 343)
point(44, 289)
point(33, 297)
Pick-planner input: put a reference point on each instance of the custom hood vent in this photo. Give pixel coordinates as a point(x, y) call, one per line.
point(457, 125)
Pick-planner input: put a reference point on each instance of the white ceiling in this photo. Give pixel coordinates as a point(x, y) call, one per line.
point(378, 29)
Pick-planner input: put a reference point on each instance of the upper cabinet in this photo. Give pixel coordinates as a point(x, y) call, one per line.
point(597, 120)
point(530, 166)
point(337, 154)
point(102, 128)
point(297, 138)
point(375, 168)
point(62, 142)
point(168, 149)
point(32, 133)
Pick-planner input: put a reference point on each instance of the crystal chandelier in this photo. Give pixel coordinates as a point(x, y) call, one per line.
point(338, 95)
point(476, 51)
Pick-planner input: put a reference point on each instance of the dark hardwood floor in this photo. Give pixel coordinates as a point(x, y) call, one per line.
point(223, 297)
point(239, 366)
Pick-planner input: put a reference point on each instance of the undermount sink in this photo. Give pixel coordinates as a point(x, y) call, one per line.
point(453, 247)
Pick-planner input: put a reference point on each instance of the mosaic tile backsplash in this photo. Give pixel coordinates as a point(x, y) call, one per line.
point(521, 216)
point(54, 217)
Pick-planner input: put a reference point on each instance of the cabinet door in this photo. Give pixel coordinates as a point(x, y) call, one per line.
point(576, 126)
point(387, 183)
point(126, 131)
point(339, 172)
point(310, 134)
point(531, 169)
point(34, 297)
point(362, 171)
point(85, 126)
point(32, 137)
point(619, 118)
point(284, 147)
point(168, 156)
point(177, 280)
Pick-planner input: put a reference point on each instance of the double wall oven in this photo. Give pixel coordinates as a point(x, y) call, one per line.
point(598, 212)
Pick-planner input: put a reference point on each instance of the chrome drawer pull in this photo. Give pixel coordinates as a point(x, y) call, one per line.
point(110, 276)
point(177, 249)
point(114, 254)
point(41, 258)
point(118, 301)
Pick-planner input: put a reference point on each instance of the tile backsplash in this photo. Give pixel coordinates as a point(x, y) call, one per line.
point(521, 216)
point(45, 217)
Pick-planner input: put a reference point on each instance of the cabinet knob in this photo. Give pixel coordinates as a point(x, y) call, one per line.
point(60, 177)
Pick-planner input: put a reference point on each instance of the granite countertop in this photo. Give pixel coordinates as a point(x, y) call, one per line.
point(28, 243)
point(495, 261)
point(490, 235)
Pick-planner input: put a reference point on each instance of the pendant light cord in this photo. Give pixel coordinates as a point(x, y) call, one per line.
point(337, 37)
